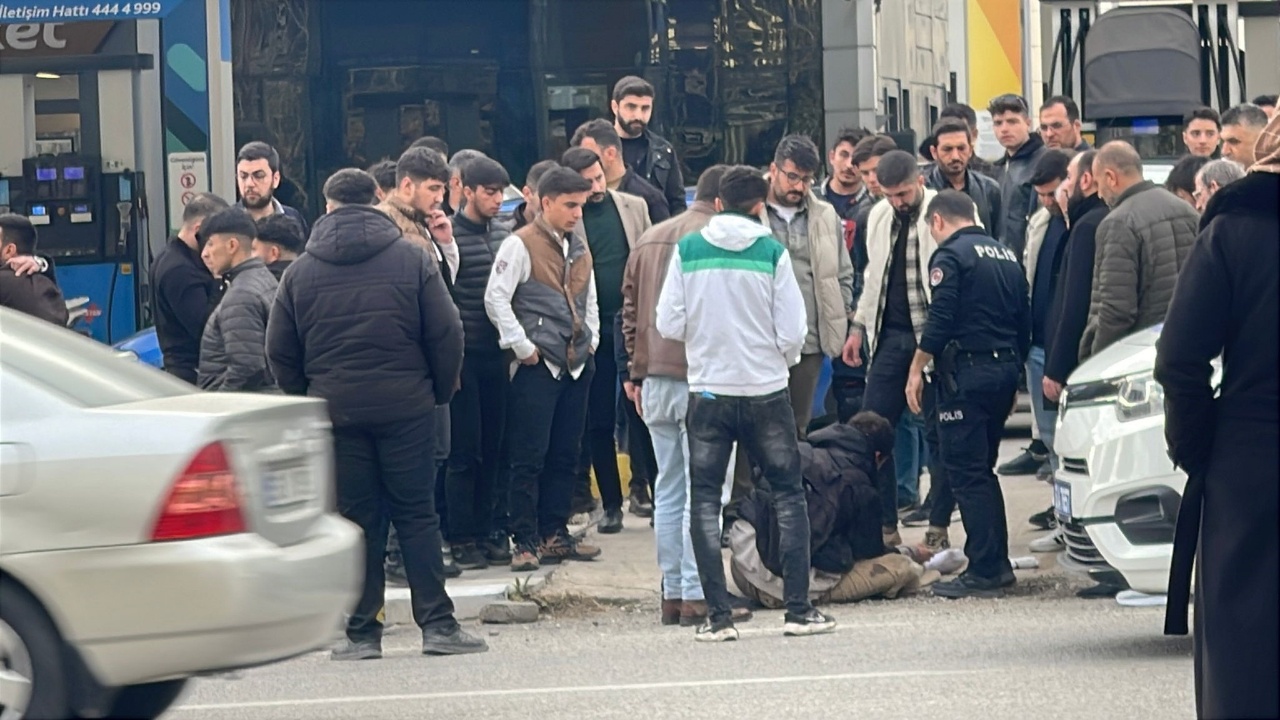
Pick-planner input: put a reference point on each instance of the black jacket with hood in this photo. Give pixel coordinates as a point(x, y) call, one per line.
point(363, 319)
point(1018, 200)
point(839, 472)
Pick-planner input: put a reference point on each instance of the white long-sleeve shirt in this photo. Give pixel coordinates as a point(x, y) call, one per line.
point(732, 298)
point(511, 269)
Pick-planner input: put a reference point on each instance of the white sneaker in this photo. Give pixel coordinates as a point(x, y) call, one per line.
point(815, 622)
point(1051, 543)
point(707, 632)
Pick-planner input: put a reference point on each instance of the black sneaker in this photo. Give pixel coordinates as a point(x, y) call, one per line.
point(497, 548)
point(640, 504)
point(716, 632)
point(814, 622)
point(1046, 520)
point(451, 569)
point(451, 642)
point(469, 557)
point(611, 523)
point(1027, 463)
point(363, 650)
point(916, 518)
point(969, 585)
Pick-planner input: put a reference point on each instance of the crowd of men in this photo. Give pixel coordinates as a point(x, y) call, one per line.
point(480, 367)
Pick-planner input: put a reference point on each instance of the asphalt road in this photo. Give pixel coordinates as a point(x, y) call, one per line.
point(1037, 653)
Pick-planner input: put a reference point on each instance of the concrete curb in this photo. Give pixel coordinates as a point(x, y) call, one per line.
point(470, 593)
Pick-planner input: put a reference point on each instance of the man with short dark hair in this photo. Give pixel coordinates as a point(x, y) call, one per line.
point(657, 382)
point(599, 137)
point(612, 222)
point(1241, 126)
point(1012, 123)
point(279, 242)
point(731, 298)
point(951, 171)
point(184, 291)
point(233, 348)
point(977, 335)
point(969, 116)
point(364, 321)
point(528, 210)
point(844, 187)
point(1201, 130)
point(431, 142)
point(1267, 103)
point(457, 163)
point(541, 297)
point(258, 178)
point(892, 311)
point(478, 411)
point(1182, 178)
point(384, 173)
point(1141, 247)
point(421, 180)
point(812, 233)
point(643, 150)
point(1060, 124)
point(31, 293)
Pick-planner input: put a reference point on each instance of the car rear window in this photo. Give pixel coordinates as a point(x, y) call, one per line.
point(84, 371)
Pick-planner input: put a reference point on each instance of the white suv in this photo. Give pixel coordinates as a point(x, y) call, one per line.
point(1116, 493)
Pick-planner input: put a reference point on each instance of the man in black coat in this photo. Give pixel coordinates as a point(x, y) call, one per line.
point(1225, 307)
point(184, 291)
point(646, 152)
point(364, 321)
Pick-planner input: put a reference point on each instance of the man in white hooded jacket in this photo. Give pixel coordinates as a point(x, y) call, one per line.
point(732, 298)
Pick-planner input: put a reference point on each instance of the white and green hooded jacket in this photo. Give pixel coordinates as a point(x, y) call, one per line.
point(731, 297)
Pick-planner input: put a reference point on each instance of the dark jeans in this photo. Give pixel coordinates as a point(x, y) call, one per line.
point(478, 413)
point(388, 469)
point(599, 448)
point(886, 395)
point(644, 466)
point(545, 417)
point(766, 427)
point(970, 426)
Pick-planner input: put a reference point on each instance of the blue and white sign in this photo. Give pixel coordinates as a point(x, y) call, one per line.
point(62, 11)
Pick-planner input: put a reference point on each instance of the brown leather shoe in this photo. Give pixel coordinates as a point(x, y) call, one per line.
point(564, 547)
point(693, 612)
point(671, 612)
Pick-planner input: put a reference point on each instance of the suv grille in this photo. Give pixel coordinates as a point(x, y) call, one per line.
point(1075, 465)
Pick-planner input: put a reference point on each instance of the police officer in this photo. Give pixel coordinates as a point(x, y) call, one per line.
point(978, 335)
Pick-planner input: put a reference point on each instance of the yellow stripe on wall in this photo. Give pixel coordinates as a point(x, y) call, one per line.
point(995, 50)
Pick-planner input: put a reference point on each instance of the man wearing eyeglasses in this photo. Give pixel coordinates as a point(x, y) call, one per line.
point(812, 233)
point(1012, 124)
point(257, 179)
point(1060, 124)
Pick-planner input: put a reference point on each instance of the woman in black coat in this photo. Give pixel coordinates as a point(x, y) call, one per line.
point(1225, 305)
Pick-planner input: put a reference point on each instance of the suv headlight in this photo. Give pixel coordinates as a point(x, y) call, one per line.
point(1138, 396)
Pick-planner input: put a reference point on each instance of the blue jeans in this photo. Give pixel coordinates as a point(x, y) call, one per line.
point(910, 455)
point(666, 405)
point(1044, 419)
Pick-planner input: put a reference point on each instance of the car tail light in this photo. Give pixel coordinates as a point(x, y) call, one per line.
point(203, 501)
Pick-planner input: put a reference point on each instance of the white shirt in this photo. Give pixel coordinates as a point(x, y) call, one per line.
point(449, 255)
point(511, 269)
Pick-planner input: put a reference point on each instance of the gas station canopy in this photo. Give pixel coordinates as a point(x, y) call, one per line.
point(64, 11)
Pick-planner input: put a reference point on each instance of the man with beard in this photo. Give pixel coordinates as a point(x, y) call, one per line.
point(599, 137)
point(257, 178)
point(1070, 309)
point(612, 222)
point(811, 231)
point(951, 171)
point(892, 312)
point(279, 243)
point(966, 114)
point(646, 152)
point(1012, 123)
point(1241, 126)
point(453, 198)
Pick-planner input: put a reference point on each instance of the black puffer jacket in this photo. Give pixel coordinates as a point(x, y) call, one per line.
point(363, 319)
point(233, 349)
point(477, 245)
point(844, 507)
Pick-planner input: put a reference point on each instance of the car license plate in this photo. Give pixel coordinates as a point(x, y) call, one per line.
point(1062, 499)
point(290, 486)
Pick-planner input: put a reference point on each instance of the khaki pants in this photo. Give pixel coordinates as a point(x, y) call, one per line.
point(802, 386)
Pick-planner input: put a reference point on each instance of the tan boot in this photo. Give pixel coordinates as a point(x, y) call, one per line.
point(937, 539)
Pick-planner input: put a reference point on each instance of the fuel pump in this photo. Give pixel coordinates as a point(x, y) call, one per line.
point(92, 225)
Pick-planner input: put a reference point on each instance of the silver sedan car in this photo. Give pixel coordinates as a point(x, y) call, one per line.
point(150, 532)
